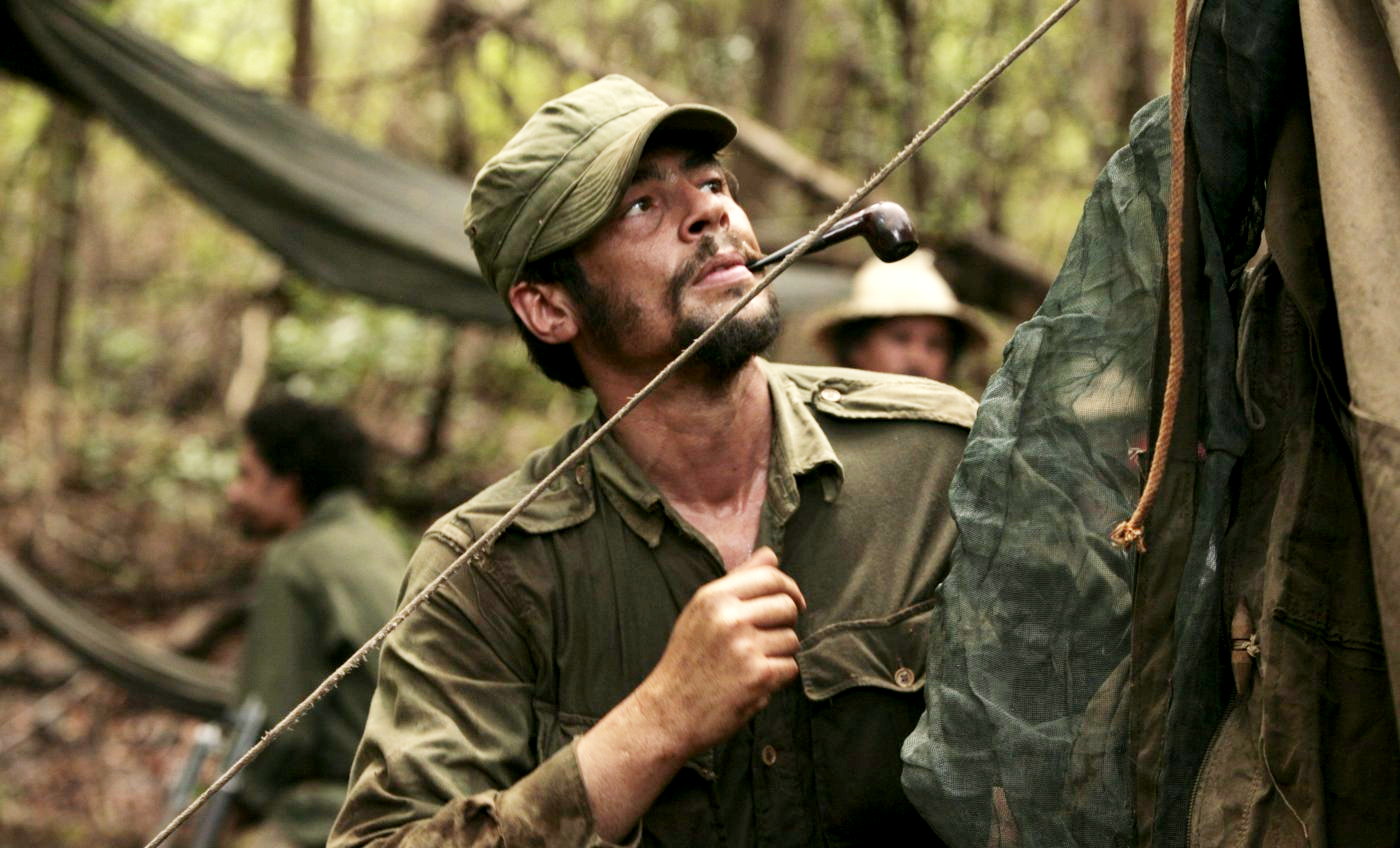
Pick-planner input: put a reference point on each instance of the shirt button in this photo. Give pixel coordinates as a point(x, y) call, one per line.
point(830, 395)
point(769, 755)
point(904, 677)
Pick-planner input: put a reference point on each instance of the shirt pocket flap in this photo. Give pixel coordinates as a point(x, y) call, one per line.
point(888, 653)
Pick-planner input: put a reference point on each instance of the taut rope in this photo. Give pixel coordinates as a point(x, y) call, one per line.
point(478, 549)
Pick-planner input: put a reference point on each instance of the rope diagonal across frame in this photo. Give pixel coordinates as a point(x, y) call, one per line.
point(479, 548)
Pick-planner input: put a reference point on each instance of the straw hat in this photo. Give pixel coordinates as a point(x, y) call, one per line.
point(911, 286)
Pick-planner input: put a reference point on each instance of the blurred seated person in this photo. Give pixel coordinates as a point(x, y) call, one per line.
point(328, 580)
point(901, 318)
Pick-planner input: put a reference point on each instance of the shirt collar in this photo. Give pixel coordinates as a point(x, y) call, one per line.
point(635, 498)
point(800, 444)
point(332, 506)
point(799, 447)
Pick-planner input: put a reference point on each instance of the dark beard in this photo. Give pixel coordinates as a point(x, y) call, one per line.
point(611, 320)
point(732, 345)
point(737, 341)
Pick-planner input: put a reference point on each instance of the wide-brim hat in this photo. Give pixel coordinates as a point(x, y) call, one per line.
point(911, 286)
point(564, 171)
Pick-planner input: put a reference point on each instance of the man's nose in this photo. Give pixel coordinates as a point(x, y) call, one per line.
point(928, 363)
point(706, 212)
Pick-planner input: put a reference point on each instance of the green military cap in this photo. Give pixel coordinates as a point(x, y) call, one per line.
point(561, 175)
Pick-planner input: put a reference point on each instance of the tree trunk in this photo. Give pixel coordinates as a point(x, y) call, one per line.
point(435, 422)
point(302, 74)
point(1132, 70)
point(443, 44)
point(778, 25)
point(911, 47)
point(255, 347)
point(262, 312)
point(452, 28)
point(48, 290)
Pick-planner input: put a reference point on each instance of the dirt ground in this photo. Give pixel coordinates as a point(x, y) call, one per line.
point(83, 761)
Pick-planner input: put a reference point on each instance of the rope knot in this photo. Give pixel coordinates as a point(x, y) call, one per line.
point(1128, 533)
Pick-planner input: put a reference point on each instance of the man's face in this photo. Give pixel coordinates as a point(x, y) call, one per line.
point(262, 503)
point(668, 262)
point(917, 345)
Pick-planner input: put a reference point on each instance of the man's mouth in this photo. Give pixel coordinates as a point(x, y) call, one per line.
point(723, 270)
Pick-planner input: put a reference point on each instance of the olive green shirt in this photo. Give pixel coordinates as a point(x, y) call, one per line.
point(323, 589)
point(482, 691)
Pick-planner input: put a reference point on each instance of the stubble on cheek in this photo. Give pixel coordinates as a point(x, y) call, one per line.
point(614, 319)
point(675, 287)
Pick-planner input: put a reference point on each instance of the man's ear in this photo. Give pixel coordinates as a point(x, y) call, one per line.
point(545, 310)
point(288, 487)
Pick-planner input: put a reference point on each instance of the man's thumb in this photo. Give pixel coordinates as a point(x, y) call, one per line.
point(759, 558)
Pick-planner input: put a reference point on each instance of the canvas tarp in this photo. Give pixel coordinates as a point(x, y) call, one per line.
point(1353, 66)
point(167, 678)
point(339, 213)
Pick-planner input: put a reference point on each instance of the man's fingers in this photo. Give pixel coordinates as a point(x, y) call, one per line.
point(776, 610)
point(784, 670)
point(776, 643)
point(757, 581)
point(759, 558)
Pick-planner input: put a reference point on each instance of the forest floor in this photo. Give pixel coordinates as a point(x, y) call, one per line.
point(84, 761)
point(128, 523)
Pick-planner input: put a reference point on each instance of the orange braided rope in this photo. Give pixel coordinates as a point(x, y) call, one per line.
point(1130, 532)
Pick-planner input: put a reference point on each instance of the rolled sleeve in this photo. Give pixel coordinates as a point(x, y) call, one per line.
point(550, 807)
point(447, 756)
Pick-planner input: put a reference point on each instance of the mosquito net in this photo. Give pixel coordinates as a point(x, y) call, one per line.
point(1025, 737)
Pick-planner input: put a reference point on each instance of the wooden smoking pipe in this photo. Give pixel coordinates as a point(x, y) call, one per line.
point(885, 226)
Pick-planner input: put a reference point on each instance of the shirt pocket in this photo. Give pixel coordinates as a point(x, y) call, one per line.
point(555, 729)
point(864, 683)
point(685, 811)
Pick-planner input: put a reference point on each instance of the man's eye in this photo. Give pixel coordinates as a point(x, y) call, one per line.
point(637, 206)
point(715, 184)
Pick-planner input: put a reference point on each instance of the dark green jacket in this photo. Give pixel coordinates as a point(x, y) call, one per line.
point(482, 691)
point(323, 590)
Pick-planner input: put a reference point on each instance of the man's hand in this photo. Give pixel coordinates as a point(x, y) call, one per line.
point(731, 649)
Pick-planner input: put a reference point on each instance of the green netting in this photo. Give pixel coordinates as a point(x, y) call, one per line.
point(1025, 735)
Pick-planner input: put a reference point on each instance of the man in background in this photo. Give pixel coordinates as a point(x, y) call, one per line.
point(901, 318)
point(328, 580)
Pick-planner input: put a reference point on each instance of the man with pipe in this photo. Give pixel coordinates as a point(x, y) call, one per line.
point(712, 630)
